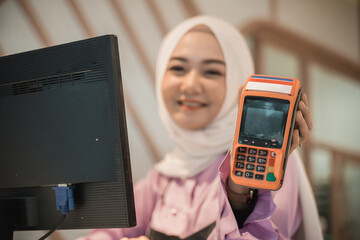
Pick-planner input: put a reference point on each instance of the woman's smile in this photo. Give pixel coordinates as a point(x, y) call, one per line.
point(191, 105)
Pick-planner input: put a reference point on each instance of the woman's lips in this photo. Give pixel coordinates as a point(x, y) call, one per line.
point(191, 104)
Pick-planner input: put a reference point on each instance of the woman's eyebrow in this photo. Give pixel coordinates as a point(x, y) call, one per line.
point(179, 59)
point(208, 61)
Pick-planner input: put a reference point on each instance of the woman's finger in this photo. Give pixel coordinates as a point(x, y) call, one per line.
point(304, 131)
point(305, 99)
point(295, 142)
point(305, 111)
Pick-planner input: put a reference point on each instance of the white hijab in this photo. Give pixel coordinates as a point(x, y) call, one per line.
point(197, 149)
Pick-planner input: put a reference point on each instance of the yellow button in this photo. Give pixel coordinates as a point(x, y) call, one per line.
point(270, 169)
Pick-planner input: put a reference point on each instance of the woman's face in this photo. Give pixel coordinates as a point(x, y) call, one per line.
point(194, 86)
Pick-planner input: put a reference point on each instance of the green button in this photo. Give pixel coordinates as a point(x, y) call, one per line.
point(270, 177)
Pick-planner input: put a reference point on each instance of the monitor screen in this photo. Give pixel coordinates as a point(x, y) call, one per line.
point(263, 121)
point(62, 121)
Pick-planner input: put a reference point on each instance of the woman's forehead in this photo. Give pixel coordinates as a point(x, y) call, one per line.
point(198, 44)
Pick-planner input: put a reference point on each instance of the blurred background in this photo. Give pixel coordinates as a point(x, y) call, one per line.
point(317, 42)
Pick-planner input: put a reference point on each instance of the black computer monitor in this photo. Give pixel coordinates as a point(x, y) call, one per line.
point(62, 121)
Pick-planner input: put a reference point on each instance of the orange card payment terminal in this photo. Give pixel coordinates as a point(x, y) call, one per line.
point(264, 127)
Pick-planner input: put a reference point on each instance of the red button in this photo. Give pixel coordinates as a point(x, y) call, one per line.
point(271, 161)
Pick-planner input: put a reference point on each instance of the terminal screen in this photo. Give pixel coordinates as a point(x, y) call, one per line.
point(264, 119)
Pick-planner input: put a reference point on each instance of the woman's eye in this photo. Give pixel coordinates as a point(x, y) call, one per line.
point(213, 73)
point(177, 69)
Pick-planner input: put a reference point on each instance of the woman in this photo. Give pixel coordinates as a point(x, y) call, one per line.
point(201, 64)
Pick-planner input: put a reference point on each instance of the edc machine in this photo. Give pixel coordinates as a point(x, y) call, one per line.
point(264, 129)
point(63, 126)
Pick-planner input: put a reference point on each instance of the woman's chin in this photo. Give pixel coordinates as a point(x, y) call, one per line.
point(191, 124)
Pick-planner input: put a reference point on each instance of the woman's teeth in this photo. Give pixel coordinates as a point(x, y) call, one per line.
point(192, 104)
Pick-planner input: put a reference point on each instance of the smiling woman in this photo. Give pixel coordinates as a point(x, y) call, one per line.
point(194, 84)
point(187, 195)
point(201, 63)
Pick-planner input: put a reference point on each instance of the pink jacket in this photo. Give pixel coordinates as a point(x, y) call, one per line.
point(182, 207)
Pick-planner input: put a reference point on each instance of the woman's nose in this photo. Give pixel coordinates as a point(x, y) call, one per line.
point(191, 83)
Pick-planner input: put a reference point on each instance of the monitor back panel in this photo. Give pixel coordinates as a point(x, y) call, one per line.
point(62, 120)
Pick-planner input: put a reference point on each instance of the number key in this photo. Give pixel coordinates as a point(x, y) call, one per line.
point(252, 151)
point(239, 165)
point(261, 160)
point(260, 168)
point(250, 166)
point(263, 152)
point(251, 159)
point(240, 157)
point(249, 174)
point(242, 149)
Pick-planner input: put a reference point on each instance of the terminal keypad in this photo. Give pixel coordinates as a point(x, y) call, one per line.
point(254, 163)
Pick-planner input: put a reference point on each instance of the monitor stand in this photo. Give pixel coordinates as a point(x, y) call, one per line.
point(14, 212)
